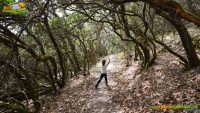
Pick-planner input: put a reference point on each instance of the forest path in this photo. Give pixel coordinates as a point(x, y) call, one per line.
point(81, 96)
point(101, 99)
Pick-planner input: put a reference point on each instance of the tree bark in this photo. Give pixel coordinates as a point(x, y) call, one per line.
point(53, 40)
point(73, 50)
point(53, 81)
point(193, 60)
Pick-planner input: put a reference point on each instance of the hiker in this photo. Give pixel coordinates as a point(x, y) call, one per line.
point(103, 73)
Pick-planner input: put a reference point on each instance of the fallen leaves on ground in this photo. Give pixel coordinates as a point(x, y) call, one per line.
point(165, 83)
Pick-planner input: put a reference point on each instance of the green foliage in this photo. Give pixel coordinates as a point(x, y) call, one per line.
point(73, 42)
point(7, 2)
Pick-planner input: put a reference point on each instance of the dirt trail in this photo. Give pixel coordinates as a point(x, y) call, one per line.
point(81, 96)
point(163, 83)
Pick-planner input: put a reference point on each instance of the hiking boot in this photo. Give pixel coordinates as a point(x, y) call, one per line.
point(95, 86)
point(107, 85)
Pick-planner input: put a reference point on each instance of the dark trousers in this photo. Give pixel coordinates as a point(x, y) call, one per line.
point(103, 75)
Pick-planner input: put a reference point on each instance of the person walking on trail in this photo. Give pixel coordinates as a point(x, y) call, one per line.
point(103, 73)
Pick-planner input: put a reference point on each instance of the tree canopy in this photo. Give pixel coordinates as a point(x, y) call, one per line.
point(57, 40)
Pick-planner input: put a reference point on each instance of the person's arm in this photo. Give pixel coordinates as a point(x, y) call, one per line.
point(108, 61)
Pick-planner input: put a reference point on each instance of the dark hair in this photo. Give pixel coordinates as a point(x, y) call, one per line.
point(103, 62)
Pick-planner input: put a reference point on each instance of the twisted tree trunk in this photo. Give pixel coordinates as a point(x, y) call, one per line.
point(53, 40)
point(193, 60)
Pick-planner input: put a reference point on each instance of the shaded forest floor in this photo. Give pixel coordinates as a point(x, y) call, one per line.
point(131, 91)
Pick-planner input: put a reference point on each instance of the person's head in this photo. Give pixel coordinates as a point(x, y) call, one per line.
point(103, 62)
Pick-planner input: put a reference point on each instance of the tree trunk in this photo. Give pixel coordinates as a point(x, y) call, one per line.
point(193, 60)
point(187, 44)
point(52, 80)
point(73, 50)
point(57, 50)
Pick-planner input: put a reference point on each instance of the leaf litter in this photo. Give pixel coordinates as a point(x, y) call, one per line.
point(132, 90)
